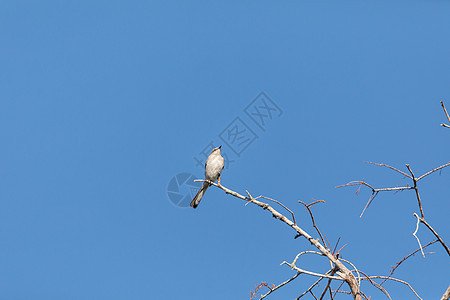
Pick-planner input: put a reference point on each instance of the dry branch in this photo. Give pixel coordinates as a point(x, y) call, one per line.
point(393, 279)
point(375, 192)
point(422, 220)
point(313, 285)
point(280, 285)
point(312, 217)
point(446, 295)
point(343, 272)
point(446, 113)
point(406, 257)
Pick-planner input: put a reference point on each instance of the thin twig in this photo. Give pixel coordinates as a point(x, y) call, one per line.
point(414, 234)
point(434, 170)
point(416, 189)
point(374, 194)
point(338, 289)
point(313, 285)
point(382, 289)
point(293, 217)
point(393, 279)
point(335, 246)
point(387, 166)
point(331, 293)
point(280, 285)
point(374, 191)
point(312, 217)
point(327, 286)
point(304, 252)
point(312, 273)
point(422, 220)
point(399, 188)
point(446, 113)
point(258, 287)
point(339, 251)
point(405, 258)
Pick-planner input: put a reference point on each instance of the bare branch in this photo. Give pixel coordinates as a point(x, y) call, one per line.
point(293, 217)
point(374, 190)
point(374, 194)
point(416, 189)
point(446, 295)
point(313, 285)
point(414, 234)
point(280, 285)
point(304, 252)
point(378, 286)
point(260, 286)
point(327, 287)
point(446, 113)
point(356, 270)
point(387, 166)
point(422, 220)
point(348, 293)
point(312, 217)
point(390, 189)
point(331, 293)
point(294, 267)
point(338, 290)
point(335, 246)
point(406, 257)
point(393, 279)
point(344, 272)
point(434, 170)
point(419, 201)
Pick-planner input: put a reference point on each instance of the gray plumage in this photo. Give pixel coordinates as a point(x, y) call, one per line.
point(213, 168)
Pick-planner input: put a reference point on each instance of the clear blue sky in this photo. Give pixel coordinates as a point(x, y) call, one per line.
point(103, 102)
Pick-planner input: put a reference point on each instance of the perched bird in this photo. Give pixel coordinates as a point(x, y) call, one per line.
point(213, 168)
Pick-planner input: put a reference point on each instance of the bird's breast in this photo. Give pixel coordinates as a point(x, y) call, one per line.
point(213, 168)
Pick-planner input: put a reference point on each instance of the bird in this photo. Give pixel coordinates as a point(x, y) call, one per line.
point(213, 169)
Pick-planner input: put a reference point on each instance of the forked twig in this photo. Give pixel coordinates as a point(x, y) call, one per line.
point(388, 166)
point(281, 204)
point(280, 285)
point(378, 286)
point(327, 287)
point(393, 279)
point(406, 257)
point(375, 191)
point(416, 189)
point(313, 285)
point(312, 217)
point(434, 170)
point(422, 220)
point(446, 113)
point(414, 234)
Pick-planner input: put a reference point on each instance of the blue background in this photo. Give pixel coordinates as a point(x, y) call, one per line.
point(103, 102)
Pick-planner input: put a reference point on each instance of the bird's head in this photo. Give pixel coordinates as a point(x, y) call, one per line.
point(216, 150)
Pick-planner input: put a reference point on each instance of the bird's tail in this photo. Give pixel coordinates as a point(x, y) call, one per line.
point(198, 197)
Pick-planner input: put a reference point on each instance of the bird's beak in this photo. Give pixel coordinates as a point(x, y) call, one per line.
point(220, 146)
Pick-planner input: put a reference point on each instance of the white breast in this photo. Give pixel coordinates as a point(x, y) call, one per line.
point(214, 165)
